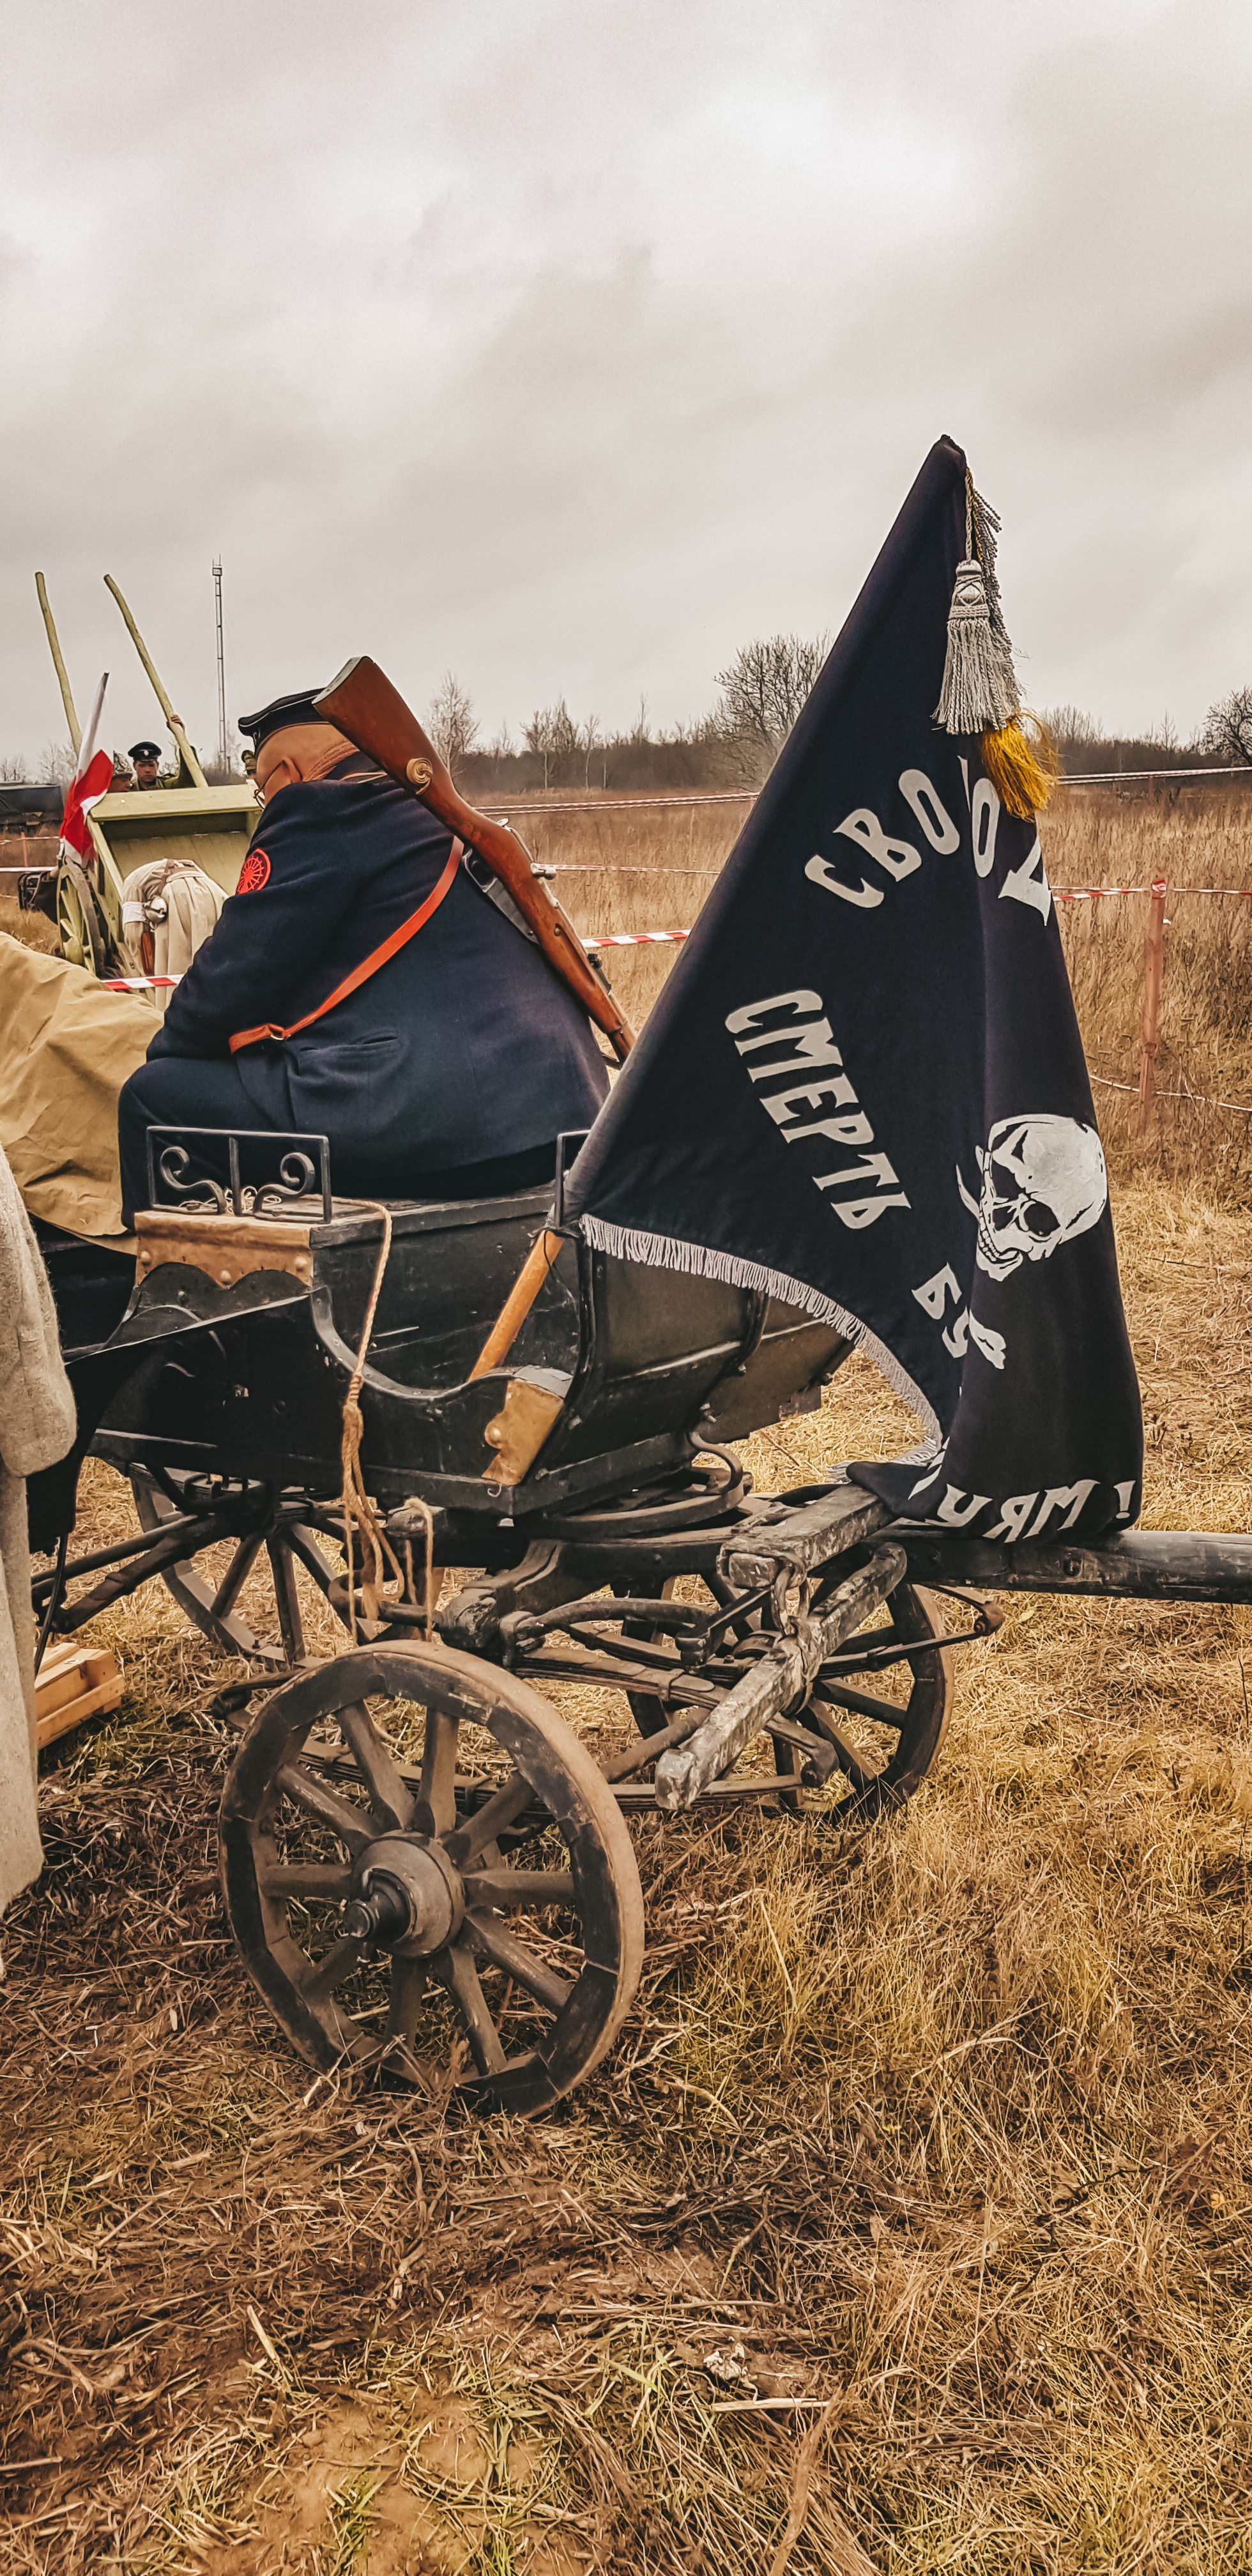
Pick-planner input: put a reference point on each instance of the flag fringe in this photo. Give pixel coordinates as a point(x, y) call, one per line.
point(669, 1252)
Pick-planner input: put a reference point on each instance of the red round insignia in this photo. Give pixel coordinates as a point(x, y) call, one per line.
point(254, 873)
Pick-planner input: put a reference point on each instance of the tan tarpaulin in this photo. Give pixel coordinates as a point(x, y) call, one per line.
point(66, 1048)
point(36, 1428)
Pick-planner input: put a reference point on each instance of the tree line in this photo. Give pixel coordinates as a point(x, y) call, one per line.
point(760, 694)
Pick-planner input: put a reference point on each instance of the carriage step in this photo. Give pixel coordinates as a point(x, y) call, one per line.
point(73, 1683)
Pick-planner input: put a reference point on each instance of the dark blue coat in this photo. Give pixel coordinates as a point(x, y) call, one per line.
point(463, 1047)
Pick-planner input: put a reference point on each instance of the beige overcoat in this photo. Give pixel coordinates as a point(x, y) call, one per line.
point(37, 1425)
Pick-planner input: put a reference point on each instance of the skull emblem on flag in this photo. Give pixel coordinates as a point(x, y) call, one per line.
point(1043, 1182)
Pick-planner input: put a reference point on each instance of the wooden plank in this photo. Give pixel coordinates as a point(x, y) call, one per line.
point(74, 1683)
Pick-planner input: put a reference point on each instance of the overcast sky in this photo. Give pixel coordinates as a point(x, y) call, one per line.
point(571, 345)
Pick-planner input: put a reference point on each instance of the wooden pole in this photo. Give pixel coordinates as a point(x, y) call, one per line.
point(517, 1305)
point(67, 696)
point(175, 723)
point(1153, 956)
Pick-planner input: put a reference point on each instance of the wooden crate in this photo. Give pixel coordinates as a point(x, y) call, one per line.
point(74, 1682)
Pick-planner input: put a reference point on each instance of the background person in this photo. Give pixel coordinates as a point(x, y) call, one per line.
point(147, 759)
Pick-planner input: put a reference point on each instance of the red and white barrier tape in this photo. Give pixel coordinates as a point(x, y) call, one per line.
point(610, 803)
point(595, 867)
point(637, 939)
point(611, 939)
point(1095, 894)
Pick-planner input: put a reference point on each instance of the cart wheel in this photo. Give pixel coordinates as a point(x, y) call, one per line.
point(211, 1603)
point(919, 1726)
point(393, 1917)
point(84, 936)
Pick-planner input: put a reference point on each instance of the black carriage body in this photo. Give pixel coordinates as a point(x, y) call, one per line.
point(245, 1375)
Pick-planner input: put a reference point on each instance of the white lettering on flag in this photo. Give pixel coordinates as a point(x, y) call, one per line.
point(1023, 885)
point(1055, 1500)
point(1015, 1511)
point(934, 1294)
point(808, 1043)
point(984, 824)
point(932, 814)
point(897, 859)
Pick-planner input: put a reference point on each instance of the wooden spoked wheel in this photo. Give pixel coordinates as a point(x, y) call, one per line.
point(424, 1920)
point(919, 1723)
point(84, 934)
point(211, 1602)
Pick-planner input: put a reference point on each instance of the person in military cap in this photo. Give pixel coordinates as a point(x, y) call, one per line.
point(146, 757)
point(362, 984)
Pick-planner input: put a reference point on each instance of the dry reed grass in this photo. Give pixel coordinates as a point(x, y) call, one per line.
point(908, 2228)
point(32, 928)
point(1191, 837)
point(651, 870)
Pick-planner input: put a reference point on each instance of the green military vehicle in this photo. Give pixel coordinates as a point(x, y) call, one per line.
point(187, 819)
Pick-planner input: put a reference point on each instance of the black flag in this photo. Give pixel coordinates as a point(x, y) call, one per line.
point(863, 1086)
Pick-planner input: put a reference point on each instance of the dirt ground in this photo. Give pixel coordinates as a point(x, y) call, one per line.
point(907, 2227)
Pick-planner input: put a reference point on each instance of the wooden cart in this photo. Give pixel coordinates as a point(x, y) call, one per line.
point(420, 1858)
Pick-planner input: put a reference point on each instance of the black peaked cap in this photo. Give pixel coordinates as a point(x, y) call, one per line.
point(144, 751)
point(295, 710)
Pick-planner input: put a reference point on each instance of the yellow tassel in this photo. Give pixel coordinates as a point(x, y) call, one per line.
point(1022, 763)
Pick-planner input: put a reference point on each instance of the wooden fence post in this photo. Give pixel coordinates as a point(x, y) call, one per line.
point(1153, 953)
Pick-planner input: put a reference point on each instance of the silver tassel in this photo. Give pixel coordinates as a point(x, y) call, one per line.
point(979, 692)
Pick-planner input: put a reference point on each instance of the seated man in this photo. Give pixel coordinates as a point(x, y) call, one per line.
point(441, 1058)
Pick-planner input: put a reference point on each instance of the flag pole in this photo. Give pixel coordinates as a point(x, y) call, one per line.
point(518, 1303)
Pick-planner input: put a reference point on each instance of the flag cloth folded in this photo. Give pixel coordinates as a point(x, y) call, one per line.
point(863, 1086)
point(92, 779)
point(84, 791)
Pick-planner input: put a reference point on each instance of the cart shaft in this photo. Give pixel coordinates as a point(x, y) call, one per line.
point(1143, 1565)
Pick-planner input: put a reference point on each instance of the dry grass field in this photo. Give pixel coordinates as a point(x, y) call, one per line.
point(641, 868)
point(909, 2226)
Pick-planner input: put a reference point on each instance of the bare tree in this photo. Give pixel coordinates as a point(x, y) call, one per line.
point(763, 690)
point(553, 735)
point(13, 769)
point(453, 723)
point(1072, 729)
point(1227, 729)
point(56, 766)
point(537, 736)
point(590, 740)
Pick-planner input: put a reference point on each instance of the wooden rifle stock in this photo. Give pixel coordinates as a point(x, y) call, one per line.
point(371, 712)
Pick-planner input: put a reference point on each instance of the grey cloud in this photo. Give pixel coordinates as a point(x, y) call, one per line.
point(572, 347)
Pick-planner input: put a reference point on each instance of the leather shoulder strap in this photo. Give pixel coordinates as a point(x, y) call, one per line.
point(369, 965)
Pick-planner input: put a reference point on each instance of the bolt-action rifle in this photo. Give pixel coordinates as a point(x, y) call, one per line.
point(371, 712)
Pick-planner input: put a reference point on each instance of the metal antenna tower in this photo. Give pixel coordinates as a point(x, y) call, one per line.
point(222, 749)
